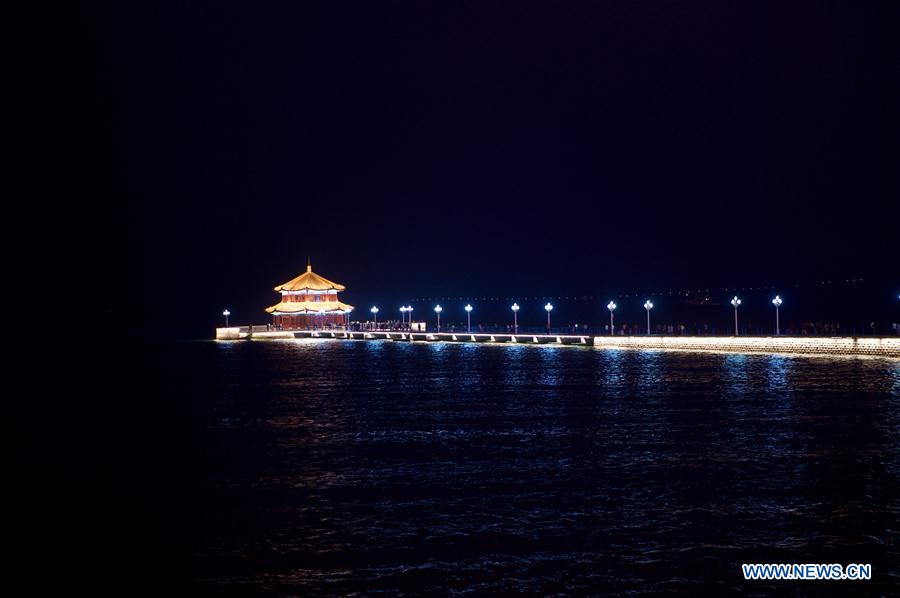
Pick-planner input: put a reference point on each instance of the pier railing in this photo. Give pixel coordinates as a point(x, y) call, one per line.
point(449, 337)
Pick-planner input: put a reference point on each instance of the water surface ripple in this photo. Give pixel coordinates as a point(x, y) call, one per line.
point(345, 466)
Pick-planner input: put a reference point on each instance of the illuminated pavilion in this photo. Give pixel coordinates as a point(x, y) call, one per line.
point(310, 301)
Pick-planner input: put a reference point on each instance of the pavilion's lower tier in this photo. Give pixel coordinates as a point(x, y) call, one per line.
point(309, 322)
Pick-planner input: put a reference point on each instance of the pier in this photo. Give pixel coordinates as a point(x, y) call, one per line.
point(878, 347)
point(261, 333)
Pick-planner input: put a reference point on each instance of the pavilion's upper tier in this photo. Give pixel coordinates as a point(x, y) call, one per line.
point(310, 281)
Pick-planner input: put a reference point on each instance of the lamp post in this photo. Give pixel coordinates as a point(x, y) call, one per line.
point(402, 317)
point(735, 302)
point(374, 311)
point(611, 306)
point(648, 305)
point(226, 313)
point(777, 303)
point(409, 310)
point(438, 309)
point(549, 308)
point(515, 309)
point(468, 317)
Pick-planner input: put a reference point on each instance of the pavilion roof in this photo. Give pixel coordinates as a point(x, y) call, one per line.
point(310, 281)
point(309, 307)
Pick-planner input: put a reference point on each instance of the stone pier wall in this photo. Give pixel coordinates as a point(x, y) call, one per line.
point(882, 347)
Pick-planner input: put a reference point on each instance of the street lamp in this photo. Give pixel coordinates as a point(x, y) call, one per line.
point(515, 308)
point(549, 308)
point(374, 311)
point(226, 313)
point(402, 317)
point(735, 302)
point(438, 309)
point(648, 305)
point(409, 310)
point(468, 309)
point(777, 303)
point(611, 306)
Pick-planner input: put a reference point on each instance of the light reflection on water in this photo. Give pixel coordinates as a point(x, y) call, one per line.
point(735, 372)
point(613, 371)
point(651, 369)
point(548, 364)
point(778, 369)
point(343, 466)
point(895, 374)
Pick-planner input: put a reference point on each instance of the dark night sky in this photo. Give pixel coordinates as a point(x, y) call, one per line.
point(414, 150)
